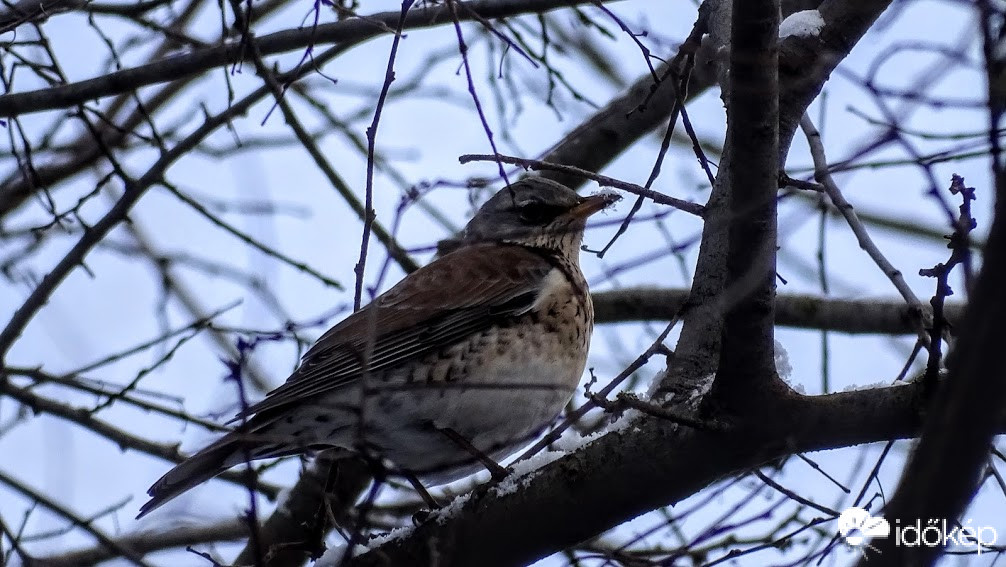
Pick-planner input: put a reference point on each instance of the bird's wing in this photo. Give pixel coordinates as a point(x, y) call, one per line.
point(463, 292)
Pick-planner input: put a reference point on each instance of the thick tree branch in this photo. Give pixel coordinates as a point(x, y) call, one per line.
point(746, 364)
point(883, 316)
point(581, 495)
point(322, 495)
point(805, 63)
point(21, 12)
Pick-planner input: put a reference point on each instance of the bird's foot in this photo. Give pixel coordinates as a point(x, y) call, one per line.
point(498, 472)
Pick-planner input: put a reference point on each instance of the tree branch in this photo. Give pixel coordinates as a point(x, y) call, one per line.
point(149, 541)
point(346, 33)
point(34, 11)
point(854, 316)
point(322, 495)
point(943, 472)
point(581, 495)
point(824, 177)
point(645, 105)
point(805, 63)
point(747, 361)
point(134, 190)
point(110, 544)
point(120, 437)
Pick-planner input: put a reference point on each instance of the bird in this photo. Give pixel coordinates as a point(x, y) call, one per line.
point(461, 363)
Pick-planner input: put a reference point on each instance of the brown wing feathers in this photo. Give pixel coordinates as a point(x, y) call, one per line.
point(437, 315)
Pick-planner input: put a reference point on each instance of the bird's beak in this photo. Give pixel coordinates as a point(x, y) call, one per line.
point(592, 204)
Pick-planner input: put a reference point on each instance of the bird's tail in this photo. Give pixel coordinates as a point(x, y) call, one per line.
point(198, 468)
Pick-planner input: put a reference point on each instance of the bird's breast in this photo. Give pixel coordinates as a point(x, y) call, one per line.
point(564, 310)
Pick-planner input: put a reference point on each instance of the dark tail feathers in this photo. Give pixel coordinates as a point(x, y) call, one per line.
point(198, 468)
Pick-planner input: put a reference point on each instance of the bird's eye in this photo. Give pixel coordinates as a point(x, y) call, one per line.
point(536, 212)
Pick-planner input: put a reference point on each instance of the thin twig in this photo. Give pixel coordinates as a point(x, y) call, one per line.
point(592, 402)
point(603, 180)
point(247, 239)
point(463, 49)
point(823, 176)
point(134, 190)
point(73, 518)
point(120, 437)
point(368, 205)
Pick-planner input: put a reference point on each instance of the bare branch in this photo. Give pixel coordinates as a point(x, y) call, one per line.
point(792, 310)
point(602, 180)
point(152, 540)
point(823, 176)
point(110, 544)
point(120, 437)
point(344, 34)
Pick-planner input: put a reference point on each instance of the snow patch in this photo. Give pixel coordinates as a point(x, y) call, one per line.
point(608, 191)
point(623, 422)
point(807, 23)
point(702, 388)
point(874, 386)
point(381, 539)
point(782, 365)
point(449, 511)
point(334, 555)
point(525, 470)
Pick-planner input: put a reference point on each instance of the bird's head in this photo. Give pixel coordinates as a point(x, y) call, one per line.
point(536, 212)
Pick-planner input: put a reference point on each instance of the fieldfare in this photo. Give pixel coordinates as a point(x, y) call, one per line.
point(465, 360)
